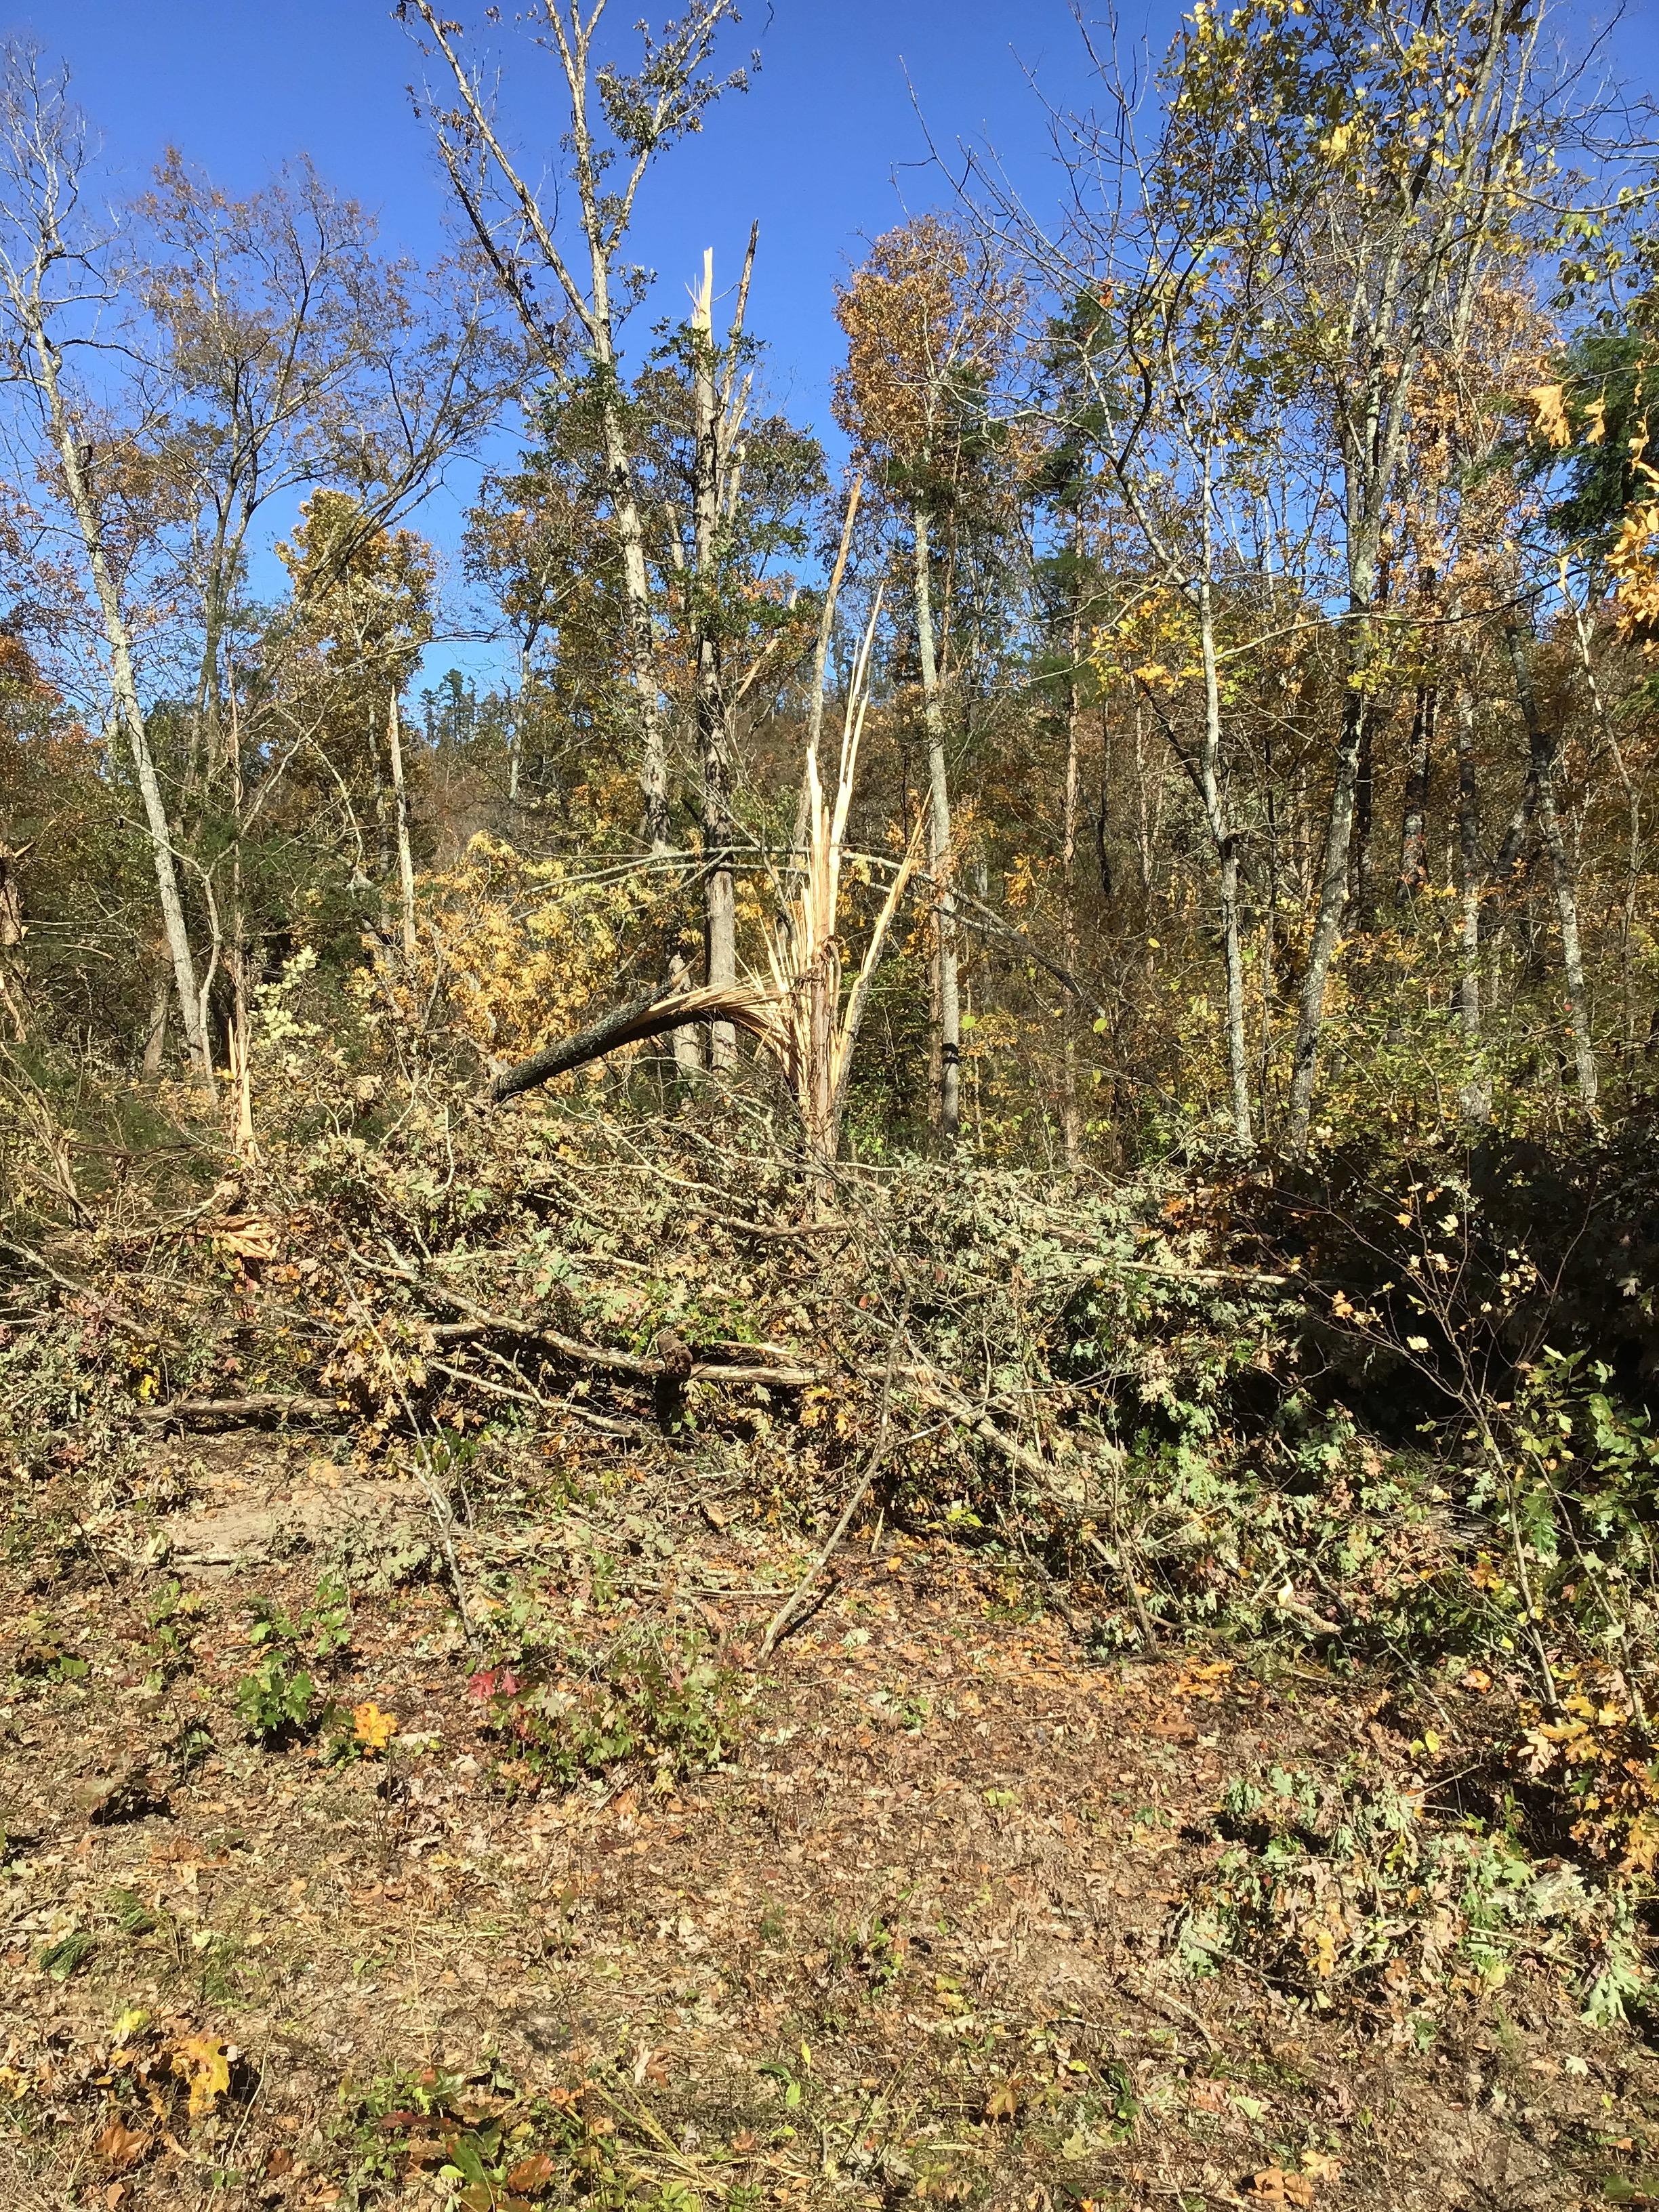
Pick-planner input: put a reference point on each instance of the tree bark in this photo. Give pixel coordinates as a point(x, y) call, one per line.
point(1225, 839)
point(656, 1014)
point(1071, 1111)
point(1413, 824)
point(1472, 880)
point(1328, 919)
point(713, 713)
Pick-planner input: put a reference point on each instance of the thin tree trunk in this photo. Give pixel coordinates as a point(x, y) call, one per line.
point(1328, 919)
point(155, 1035)
point(1413, 823)
point(516, 730)
point(1363, 903)
point(1633, 811)
point(1477, 1092)
point(1070, 1110)
point(123, 682)
point(405, 852)
point(1225, 840)
point(948, 1016)
point(1544, 752)
point(713, 714)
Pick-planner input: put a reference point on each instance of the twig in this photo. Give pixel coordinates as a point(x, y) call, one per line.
point(630, 1430)
point(780, 1620)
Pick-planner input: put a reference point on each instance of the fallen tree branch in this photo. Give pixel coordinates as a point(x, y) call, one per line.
point(480, 1321)
point(670, 1006)
point(258, 1406)
point(628, 1430)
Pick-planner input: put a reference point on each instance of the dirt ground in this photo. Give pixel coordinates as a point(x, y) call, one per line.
point(911, 1939)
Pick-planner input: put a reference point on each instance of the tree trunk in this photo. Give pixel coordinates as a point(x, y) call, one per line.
point(124, 683)
point(1413, 823)
point(948, 1029)
point(714, 743)
point(1544, 752)
point(1328, 919)
point(1225, 840)
point(1071, 1111)
point(405, 851)
point(1477, 1094)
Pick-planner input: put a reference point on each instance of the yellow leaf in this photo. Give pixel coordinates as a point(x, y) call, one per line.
point(1549, 415)
point(374, 1728)
point(204, 2062)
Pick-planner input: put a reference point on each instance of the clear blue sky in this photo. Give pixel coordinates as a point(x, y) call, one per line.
point(825, 146)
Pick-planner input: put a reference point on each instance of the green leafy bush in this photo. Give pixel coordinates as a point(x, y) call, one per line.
point(654, 1698)
point(276, 1700)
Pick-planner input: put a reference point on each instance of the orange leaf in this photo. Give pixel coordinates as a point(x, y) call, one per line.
point(1275, 2186)
point(531, 2174)
point(122, 2146)
point(375, 1729)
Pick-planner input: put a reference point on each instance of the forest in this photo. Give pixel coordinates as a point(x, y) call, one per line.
point(847, 1395)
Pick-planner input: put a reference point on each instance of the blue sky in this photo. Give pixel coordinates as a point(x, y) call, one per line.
point(829, 144)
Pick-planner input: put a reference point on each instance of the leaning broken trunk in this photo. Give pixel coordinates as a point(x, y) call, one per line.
point(801, 1014)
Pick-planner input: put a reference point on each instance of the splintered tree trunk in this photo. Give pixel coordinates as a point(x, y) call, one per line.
point(1544, 754)
point(394, 745)
point(948, 1012)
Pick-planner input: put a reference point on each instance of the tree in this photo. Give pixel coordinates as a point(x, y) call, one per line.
point(1375, 163)
point(55, 271)
point(366, 601)
point(620, 122)
point(929, 318)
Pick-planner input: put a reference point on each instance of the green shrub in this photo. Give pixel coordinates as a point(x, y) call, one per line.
point(277, 1700)
point(653, 1698)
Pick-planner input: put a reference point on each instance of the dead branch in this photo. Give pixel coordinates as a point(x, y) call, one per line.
point(259, 1405)
point(638, 1365)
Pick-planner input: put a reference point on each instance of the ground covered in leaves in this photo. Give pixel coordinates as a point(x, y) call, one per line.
point(317, 1890)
